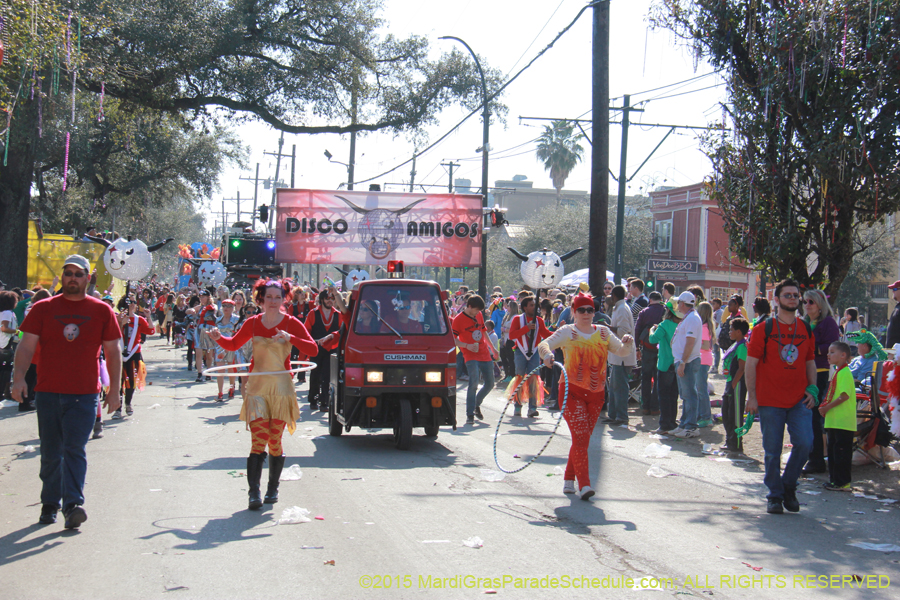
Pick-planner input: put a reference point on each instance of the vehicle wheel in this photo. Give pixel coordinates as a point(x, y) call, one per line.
point(432, 431)
point(403, 425)
point(334, 426)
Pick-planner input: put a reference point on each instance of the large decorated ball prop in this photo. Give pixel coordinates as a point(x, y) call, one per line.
point(211, 272)
point(128, 260)
point(379, 231)
point(543, 269)
point(355, 276)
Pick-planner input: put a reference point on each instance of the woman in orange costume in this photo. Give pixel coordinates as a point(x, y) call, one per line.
point(270, 402)
point(586, 348)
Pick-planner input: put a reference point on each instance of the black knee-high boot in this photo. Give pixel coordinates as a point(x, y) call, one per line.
point(254, 474)
point(276, 464)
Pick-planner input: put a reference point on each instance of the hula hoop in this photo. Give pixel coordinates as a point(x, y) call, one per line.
point(562, 411)
point(215, 371)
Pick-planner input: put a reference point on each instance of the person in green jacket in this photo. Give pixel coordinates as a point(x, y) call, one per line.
point(662, 335)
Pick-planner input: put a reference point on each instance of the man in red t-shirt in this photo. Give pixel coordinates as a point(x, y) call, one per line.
point(781, 374)
point(472, 340)
point(70, 328)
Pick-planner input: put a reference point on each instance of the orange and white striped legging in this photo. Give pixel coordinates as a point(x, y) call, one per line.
point(266, 432)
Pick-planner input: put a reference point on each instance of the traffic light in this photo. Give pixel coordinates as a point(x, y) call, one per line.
point(235, 243)
point(264, 213)
point(395, 268)
point(649, 285)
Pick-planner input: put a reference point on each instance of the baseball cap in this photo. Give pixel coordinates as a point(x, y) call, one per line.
point(687, 298)
point(894, 285)
point(204, 292)
point(78, 261)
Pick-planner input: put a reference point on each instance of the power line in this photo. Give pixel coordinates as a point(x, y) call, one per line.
point(677, 83)
point(684, 93)
point(535, 37)
point(492, 96)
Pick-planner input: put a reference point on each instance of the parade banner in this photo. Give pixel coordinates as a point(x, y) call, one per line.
point(371, 228)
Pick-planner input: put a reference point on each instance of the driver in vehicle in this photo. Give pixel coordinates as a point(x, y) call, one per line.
point(404, 309)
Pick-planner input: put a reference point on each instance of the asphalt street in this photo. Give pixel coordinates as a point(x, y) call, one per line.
point(167, 506)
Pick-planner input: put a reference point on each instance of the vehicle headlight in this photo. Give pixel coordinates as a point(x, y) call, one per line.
point(432, 376)
point(374, 376)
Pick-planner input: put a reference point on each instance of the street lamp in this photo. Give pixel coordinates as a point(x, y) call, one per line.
point(485, 147)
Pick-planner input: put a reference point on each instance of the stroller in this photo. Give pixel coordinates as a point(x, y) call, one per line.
point(178, 329)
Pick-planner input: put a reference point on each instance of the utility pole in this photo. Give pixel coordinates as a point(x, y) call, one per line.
point(351, 163)
point(597, 234)
point(255, 181)
point(277, 170)
point(450, 165)
point(412, 174)
point(623, 179)
point(293, 163)
point(239, 205)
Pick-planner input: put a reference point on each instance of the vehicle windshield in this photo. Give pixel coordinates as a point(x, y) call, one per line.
point(402, 309)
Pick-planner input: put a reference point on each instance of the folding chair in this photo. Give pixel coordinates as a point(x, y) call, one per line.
point(634, 384)
point(872, 424)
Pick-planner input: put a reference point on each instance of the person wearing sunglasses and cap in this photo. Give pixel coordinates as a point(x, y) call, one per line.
point(586, 348)
point(68, 331)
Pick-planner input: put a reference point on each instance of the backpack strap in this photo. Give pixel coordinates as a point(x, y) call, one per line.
point(770, 323)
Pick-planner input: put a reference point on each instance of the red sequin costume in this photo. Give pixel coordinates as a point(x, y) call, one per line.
point(585, 363)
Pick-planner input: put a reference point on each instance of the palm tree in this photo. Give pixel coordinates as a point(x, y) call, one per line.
point(560, 151)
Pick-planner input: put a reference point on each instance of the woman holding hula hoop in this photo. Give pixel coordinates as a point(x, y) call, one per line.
point(586, 348)
point(270, 403)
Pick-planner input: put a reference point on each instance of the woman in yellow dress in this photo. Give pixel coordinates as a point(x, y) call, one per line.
point(270, 402)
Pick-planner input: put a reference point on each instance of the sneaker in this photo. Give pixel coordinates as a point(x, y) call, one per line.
point(586, 492)
point(463, 378)
point(774, 507)
point(533, 412)
point(478, 414)
point(704, 423)
point(790, 501)
point(220, 398)
point(660, 431)
point(75, 516)
point(607, 421)
point(231, 392)
point(568, 486)
point(837, 488)
point(688, 433)
point(128, 410)
point(323, 407)
point(677, 432)
point(553, 407)
point(98, 431)
point(199, 378)
point(48, 514)
point(208, 378)
point(117, 416)
point(470, 420)
point(517, 411)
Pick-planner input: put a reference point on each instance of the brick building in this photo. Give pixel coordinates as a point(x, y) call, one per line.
point(690, 245)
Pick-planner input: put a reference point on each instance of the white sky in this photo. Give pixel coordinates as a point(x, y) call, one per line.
point(557, 85)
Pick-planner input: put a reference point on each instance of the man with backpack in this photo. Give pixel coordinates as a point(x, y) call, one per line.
point(781, 387)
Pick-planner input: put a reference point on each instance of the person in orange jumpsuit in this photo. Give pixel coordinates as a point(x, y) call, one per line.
point(585, 347)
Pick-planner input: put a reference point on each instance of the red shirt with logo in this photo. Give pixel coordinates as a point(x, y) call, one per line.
point(71, 334)
point(781, 378)
point(470, 330)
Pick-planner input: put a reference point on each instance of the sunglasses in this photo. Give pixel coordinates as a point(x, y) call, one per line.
point(585, 310)
point(809, 302)
point(78, 275)
point(791, 296)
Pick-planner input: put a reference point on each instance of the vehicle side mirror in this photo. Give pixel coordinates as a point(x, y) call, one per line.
point(445, 295)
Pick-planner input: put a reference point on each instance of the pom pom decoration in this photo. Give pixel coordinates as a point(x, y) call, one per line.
point(355, 276)
point(891, 382)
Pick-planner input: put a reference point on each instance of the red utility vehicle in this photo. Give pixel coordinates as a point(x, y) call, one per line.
point(396, 365)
